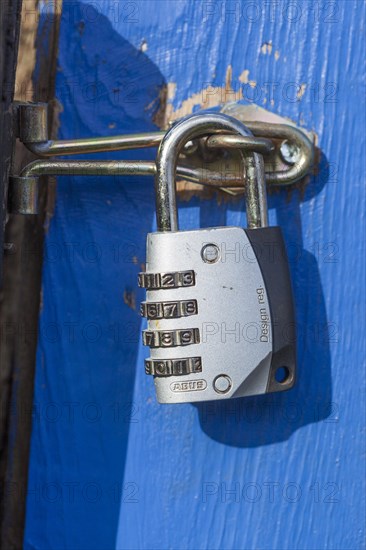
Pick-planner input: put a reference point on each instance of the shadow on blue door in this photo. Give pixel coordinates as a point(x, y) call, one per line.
point(267, 419)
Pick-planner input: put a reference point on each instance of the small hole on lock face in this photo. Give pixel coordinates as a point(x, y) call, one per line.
point(282, 375)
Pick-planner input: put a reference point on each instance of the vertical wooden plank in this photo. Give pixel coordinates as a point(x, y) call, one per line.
point(10, 12)
point(9, 26)
point(21, 291)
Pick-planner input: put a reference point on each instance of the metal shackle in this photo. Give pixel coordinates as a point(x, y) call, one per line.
point(192, 127)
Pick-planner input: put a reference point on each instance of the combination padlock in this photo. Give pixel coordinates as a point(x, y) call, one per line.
point(219, 300)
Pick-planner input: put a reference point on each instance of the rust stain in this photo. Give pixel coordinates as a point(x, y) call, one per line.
point(160, 117)
point(129, 298)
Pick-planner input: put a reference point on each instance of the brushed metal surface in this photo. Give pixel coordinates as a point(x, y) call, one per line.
point(228, 319)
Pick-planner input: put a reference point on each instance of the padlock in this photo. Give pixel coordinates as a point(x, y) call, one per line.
point(219, 301)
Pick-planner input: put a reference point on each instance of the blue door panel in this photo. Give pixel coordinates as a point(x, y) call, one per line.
point(110, 468)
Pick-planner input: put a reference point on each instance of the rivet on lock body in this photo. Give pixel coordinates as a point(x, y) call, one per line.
point(219, 300)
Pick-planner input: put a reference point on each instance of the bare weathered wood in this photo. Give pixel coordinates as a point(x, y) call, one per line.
point(9, 31)
point(21, 293)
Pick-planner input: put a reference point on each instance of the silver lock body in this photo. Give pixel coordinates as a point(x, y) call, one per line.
point(219, 300)
point(239, 327)
point(231, 323)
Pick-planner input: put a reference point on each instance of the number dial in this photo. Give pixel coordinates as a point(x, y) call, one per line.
point(173, 367)
point(169, 310)
point(170, 338)
point(158, 281)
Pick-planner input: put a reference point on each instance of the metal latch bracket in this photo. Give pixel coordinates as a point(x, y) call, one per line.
point(212, 161)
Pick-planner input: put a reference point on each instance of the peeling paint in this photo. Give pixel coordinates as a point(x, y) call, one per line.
point(206, 98)
point(244, 77)
point(143, 46)
point(301, 91)
point(266, 48)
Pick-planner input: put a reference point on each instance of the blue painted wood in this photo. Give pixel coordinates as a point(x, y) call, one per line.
point(109, 467)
